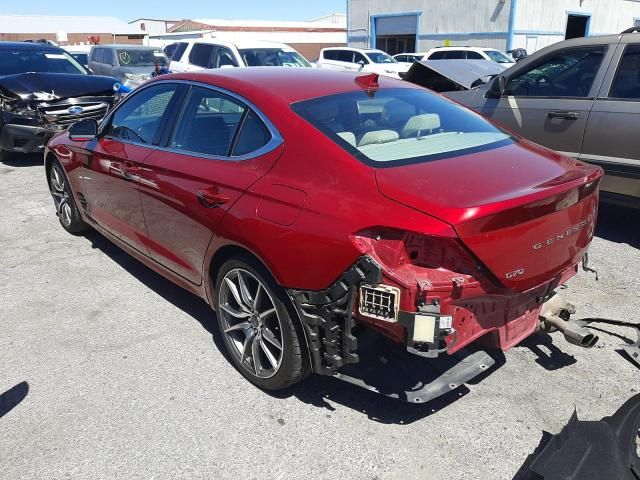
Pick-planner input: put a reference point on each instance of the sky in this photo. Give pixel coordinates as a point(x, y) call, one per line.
point(179, 9)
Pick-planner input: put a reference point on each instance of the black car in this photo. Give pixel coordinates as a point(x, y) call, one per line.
point(43, 90)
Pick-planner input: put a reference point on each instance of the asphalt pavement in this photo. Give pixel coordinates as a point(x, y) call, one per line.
point(107, 370)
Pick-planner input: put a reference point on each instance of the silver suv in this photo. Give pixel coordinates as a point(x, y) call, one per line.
point(580, 97)
point(131, 64)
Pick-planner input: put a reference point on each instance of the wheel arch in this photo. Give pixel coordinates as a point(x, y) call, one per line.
point(229, 251)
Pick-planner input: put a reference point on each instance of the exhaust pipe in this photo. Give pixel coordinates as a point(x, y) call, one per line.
point(555, 316)
point(573, 333)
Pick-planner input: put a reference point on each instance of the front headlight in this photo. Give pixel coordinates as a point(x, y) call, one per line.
point(23, 115)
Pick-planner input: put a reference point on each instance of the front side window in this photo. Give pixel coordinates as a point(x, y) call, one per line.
point(627, 81)
point(567, 73)
point(272, 57)
point(207, 123)
point(399, 126)
point(224, 58)
point(201, 54)
point(139, 118)
point(498, 56)
point(358, 58)
point(18, 60)
point(471, 55)
point(380, 57)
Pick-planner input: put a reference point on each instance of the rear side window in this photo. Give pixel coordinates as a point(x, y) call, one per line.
point(98, 55)
point(253, 135)
point(345, 56)
point(201, 55)
point(627, 81)
point(139, 119)
point(400, 126)
point(207, 123)
point(436, 56)
point(330, 54)
point(566, 73)
point(178, 52)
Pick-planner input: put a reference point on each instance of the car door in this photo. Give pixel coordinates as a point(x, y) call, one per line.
point(218, 147)
point(611, 136)
point(112, 172)
point(548, 101)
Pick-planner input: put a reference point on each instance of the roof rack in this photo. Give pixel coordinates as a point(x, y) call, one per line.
point(452, 46)
point(631, 30)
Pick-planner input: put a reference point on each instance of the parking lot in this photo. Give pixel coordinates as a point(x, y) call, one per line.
point(110, 371)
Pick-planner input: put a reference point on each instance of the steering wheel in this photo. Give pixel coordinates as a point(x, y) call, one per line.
point(544, 80)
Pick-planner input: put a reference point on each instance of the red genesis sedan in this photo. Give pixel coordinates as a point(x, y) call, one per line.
point(301, 204)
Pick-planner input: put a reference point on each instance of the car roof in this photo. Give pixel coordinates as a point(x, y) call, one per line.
point(28, 46)
point(239, 43)
point(127, 46)
point(280, 84)
point(363, 50)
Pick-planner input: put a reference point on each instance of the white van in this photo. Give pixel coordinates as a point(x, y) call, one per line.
point(217, 53)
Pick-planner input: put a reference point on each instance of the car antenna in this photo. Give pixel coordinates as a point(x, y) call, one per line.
point(370, 82)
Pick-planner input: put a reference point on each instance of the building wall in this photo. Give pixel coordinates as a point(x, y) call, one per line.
point(73, 38)
point(535, 24)
point(455, 22)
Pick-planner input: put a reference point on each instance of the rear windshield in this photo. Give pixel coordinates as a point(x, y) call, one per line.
point(272, 57)
point(140, 57)
point(400, 126)
point(16, 60)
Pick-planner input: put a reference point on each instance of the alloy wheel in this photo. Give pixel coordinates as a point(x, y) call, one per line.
point(60, 195)
point(251, 323)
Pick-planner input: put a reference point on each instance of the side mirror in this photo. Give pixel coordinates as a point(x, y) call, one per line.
point(84, 130)
point(498, 87)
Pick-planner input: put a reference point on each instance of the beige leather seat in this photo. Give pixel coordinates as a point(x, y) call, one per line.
point(423, 124)
point(348, 137)
point(378, 136)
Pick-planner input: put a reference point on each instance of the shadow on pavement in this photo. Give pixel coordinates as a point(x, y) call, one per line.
point(550, 357)
point(315, 390)
point(12, 397)
point(23, 160)
point(619, 224)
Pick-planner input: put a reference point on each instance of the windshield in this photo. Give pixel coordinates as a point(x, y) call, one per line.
point(498, 57)
point(137, 57)
point(380, 57)
point(400, 126)
point(16, 60)
point(272, 57)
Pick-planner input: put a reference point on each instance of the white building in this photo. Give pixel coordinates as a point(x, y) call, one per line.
point(418, 25)
point(306, 37)
point(153, 26)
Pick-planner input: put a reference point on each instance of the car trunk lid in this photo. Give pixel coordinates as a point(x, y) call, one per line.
point(527, 214)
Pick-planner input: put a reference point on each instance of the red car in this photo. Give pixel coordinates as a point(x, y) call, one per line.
point(300, 204)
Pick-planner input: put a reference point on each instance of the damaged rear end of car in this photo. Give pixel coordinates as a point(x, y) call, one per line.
point(517, 221)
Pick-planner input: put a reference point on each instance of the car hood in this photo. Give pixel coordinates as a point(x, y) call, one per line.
point(506, 204)
point(452, 75)
point(52, 86)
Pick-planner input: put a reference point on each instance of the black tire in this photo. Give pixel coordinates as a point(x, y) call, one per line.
point(63, 201)
point(293, 366)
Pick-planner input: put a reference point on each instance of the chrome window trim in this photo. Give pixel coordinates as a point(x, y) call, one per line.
point(275, 142)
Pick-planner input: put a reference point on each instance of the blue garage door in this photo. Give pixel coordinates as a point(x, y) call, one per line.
point(396, 34)
point(393, 26)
